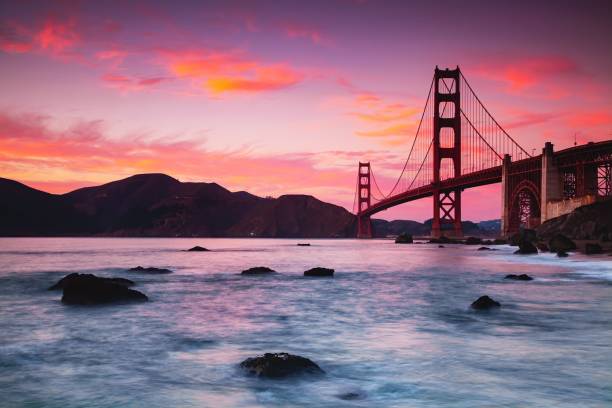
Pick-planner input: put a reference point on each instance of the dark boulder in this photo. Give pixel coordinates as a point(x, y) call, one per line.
point(484, 303)
point(524, 235)
point(560, 242)
point(150, 270)
point(486, 249)
point(278, 365)
point(198, 248)
point(404, 238)
point(78, 276)
point(500, 241)
point(441, 246)
point(522, 277)
point(258, 270)
point(318, 271)
point(473, 241)
point(562, 254)
point(92, 290)
point(593, 249)
point(526, 248)
point(542, 247)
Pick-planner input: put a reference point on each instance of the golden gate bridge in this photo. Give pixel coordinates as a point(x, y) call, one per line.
point(459, 144)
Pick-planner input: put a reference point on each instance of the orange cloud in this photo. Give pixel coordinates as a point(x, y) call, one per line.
point(53, 37)
point(590, 119)
point(83, 155)
point(230, 72)
point(527, 73)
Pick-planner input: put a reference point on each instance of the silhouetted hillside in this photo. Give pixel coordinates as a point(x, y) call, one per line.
point(159, 205)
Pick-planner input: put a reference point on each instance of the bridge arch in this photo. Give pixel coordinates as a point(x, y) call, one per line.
point(525, 206)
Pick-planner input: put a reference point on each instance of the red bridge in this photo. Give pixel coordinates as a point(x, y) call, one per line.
point(459, 145)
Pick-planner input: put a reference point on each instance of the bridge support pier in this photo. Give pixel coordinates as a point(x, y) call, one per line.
point(364, 227)
point(505, 196)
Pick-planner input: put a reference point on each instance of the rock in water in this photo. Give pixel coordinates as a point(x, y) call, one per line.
point(404, 238)
point(525, 248)
point(80, 276)
point(258, 270)
point(91, 290)
point(562, 254)
point(278, 365)
point(522, 277)
point(486, 249)
point(542, 247)
point(150, 270)
point(484, 303)
point(303, 244)
point(197, 248)
point(561, 243)
point(473, 241)
point(318, 271)
point(592, 249)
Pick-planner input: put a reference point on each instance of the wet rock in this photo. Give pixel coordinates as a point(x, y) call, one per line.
point(404, 238)
point(593, 249)
point(473, 241)
point(198, 248)
point(486, 249)
point(318, 271)
point(522, 277)
point(526, 248)
point(542, 247)
point(562, 254)
point(560, 242)
point(303, 244)
point(80, 276)
point(524, 235)
point(278, 365)
point(258, 270)
point(441, 246)
point(151, 270)
point(485, 303)
point(500, 241)
point(92, 290)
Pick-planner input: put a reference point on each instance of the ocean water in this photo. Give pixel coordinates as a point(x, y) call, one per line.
point(393, 328)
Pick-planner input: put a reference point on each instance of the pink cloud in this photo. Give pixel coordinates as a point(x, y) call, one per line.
point(299, 30)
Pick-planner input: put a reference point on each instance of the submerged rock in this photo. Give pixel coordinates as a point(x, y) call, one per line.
point(486, 249)
point(562, 254)
point(560, 242)
point(319, 271)
point(258, 270)
point(303, 244)
point(592, 249)
point(352, 395)
point(150, 270)
point(278, 365)
point(522, 277)
point(526, 248)
point(404, 238)
point(473, 241)
point(198, 248)
point(92, 290)
point(484, 303)
point(80, 276)
point(441, 246)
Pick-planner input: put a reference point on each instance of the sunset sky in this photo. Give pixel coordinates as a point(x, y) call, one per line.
point(284, 97)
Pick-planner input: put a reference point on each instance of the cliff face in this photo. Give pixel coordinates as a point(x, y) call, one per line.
point(159, 205)
point(592, 221)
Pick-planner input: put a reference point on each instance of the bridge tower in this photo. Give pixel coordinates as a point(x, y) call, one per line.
point(447, 129)
point(364, 223)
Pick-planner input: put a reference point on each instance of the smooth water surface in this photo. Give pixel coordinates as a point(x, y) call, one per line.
point(393, 328)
